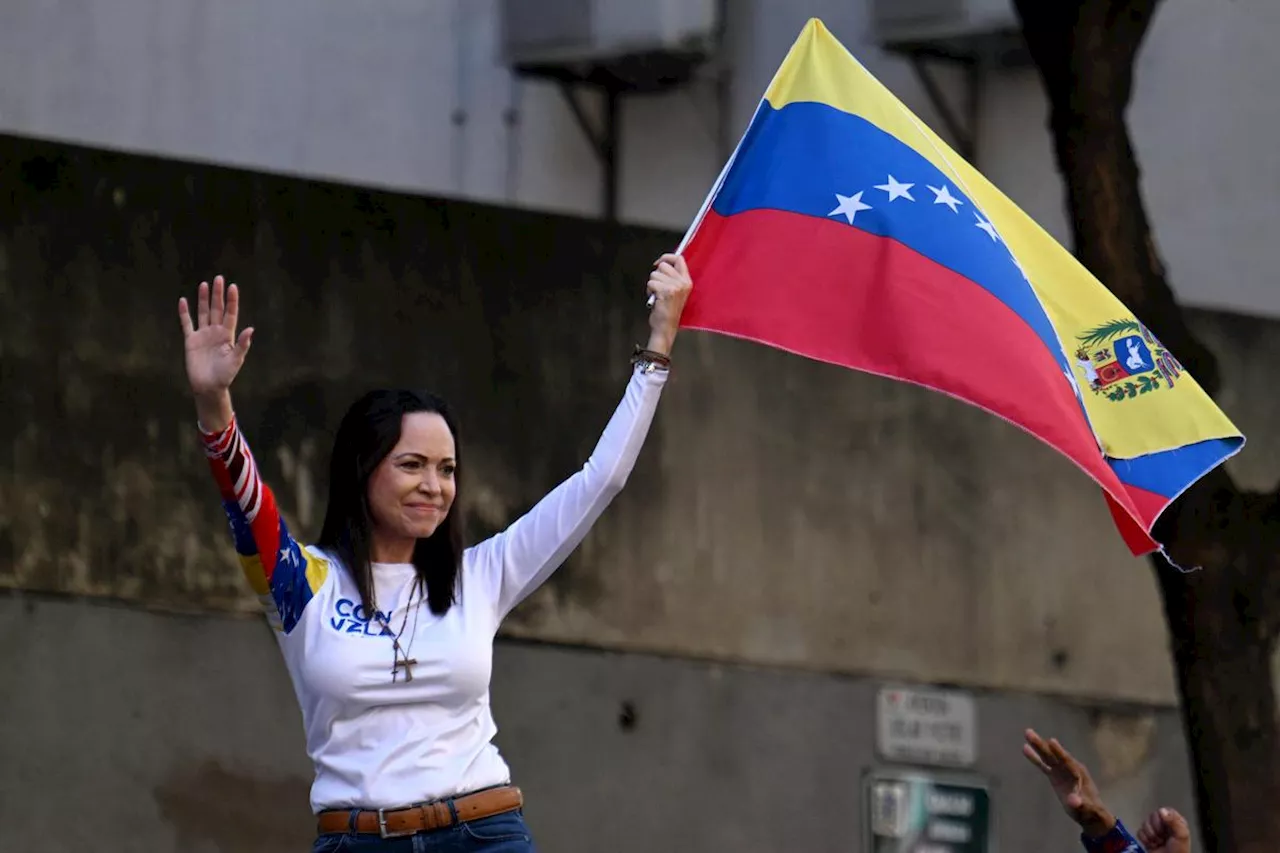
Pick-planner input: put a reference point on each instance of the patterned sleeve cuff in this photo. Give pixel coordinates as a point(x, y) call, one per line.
point(217, 443)
point(1118, 840)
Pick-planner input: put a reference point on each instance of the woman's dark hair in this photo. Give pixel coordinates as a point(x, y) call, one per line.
point(368, 432)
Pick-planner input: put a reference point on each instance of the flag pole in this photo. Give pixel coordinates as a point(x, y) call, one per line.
point(724, 172)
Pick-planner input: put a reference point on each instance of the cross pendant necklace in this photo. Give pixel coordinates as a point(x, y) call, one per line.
point(400, 657)
point(408, 663)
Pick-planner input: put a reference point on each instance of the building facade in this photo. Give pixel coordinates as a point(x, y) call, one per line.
point(819, 538)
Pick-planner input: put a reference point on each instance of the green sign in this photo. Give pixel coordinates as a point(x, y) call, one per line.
point(909, 811)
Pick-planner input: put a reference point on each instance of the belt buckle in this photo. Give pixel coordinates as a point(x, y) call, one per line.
point(382, 826)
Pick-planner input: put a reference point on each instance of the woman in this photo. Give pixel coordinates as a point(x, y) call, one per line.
point(387, 624)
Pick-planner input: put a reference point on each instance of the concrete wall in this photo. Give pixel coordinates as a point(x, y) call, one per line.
point(782, 512)
point(183, 735)
point(413, 95)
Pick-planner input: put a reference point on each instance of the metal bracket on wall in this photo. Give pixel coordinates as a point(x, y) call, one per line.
point(644, 73)
point(962, 123)
point(604, 140)
point(974, 55)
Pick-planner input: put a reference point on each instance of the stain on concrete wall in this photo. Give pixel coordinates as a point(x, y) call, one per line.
point(211, 805)
point(782, 512)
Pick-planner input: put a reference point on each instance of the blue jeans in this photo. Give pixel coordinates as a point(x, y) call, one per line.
point(503, 833)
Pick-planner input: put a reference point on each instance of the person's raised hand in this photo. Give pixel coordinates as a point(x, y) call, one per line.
point(214, 353)
point(1072, 783)
point(669, 285)
point(1165, 831)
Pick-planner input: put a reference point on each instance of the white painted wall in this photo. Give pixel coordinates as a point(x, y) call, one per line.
point(412, 94)
point(366, 92)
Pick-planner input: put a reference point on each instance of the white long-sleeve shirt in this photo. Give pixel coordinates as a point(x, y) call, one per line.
point(377, 743)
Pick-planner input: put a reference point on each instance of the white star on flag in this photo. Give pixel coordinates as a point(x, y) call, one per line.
point(849, 206)
point(986, 226)
point(895, 189)
point(1075, 386)
point(1018, 264)
point(943, 196)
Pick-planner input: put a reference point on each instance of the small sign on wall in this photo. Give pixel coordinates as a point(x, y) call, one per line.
point(909, 811)
point(915, 726)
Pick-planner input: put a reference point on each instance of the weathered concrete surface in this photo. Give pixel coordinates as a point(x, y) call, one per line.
point(782, 512)
point(125, 731)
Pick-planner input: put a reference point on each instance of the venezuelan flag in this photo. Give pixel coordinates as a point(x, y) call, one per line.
point(843, 229)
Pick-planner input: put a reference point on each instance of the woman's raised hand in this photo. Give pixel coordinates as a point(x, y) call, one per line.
point(669, 285)
point(213, 351)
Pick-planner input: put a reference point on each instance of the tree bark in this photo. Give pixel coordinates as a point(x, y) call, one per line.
point(1223, 619)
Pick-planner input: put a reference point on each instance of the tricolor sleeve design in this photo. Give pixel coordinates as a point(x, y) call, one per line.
point(1118, 840)
point(282, 573)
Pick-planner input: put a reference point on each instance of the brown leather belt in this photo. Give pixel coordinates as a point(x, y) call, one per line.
point(392, 823)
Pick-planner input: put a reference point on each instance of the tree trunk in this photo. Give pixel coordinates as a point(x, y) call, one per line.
point(1222, 619)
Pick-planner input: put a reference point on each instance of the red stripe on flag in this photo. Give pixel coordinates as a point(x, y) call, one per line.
point(837, 294)
point(1147, 504)
point(1133, 533)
